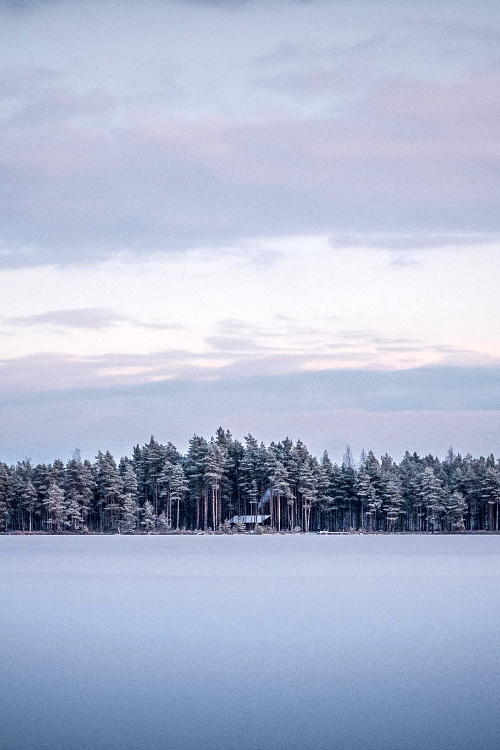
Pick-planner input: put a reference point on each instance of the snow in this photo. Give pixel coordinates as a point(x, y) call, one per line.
point(249, 642)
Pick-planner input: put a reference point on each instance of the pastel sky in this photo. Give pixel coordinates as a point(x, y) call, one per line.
point(282, 217)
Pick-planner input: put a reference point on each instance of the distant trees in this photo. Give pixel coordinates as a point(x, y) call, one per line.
point(4, 497)
point(158, 489)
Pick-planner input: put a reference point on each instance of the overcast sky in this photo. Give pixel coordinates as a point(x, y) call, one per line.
point(276, 216)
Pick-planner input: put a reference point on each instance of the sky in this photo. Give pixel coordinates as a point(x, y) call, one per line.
point(280, 217)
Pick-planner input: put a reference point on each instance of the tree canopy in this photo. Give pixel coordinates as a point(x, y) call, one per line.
point(222, 479)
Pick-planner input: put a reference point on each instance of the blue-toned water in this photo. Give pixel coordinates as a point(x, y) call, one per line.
point(250, 643)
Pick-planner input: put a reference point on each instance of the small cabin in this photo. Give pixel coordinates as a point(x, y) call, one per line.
point(250, 521)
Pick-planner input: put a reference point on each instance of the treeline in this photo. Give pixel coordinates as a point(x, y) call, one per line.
point(224, 485)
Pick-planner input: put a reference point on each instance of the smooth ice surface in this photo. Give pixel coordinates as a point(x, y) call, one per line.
point(249, 643)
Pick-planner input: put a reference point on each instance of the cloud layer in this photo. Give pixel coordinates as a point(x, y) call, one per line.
point(392, 130)
point(269, 215)
point(72, 196)
point(424, 410)
point(92, 318)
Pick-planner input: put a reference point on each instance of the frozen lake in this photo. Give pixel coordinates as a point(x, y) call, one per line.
point(250, 643)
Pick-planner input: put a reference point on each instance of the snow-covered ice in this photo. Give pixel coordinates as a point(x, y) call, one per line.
point(249, 642)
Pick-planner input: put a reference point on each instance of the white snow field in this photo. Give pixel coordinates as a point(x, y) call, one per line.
point(249, 642)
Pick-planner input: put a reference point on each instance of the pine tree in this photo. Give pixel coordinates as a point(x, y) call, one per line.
point(280, 488)
point(129, 496)
point(57, 471)
point(324, 487)
point(433, 496)
point(345, 491)
point(162, 523)
point(195, 471)
point(214, 470)
point(308, 488)
point(148, 520)
point(42, 477)
point(153, 458)
point(109, 490)
point(326, 493)
point(374, 500)
point(364, 493)
point(129, 513)
point(178, 489)
point(490, 492)
point(79, 490)
point(74, 514)
point(231, 479)
point(393, 502)
point(164, 491)
point(57, 511)
point(5, 507)
point(22, 496)
point(457, 508)
point(302, 482)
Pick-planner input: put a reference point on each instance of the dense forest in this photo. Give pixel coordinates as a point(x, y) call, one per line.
point(227, 486)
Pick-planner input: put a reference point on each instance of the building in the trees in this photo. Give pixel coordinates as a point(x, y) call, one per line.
point(250, 521)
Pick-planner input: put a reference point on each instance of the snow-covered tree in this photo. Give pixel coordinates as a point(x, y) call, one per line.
point(364, 492)
point(57, 510)
point(195, 471)
point(178, 489)
point(5, 507)
point(457, 509)
point(79, 490)
point(433, 498)
point(129, 520)
point(308, 488)
point(22, 495)
point(214, 470)
point(164, 482)
point(148, 519)
point(393, 501)
point(280, 488)
point(129, 497)
point(109, 490)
